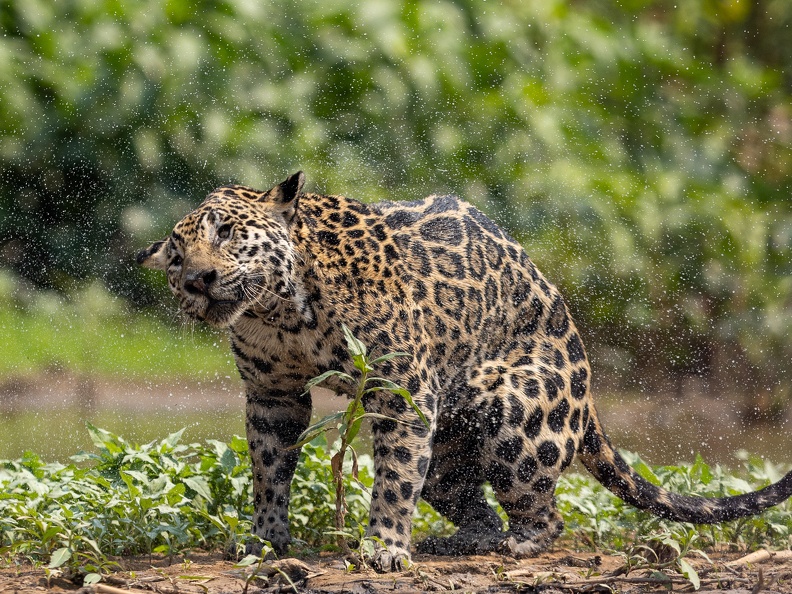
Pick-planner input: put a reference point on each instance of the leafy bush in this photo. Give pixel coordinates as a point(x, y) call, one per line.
point(167, 498)
point(596, 517)
point(162, 497)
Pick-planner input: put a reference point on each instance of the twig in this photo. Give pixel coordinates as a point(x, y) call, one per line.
point(105, 589)
point(645, 580)
point(761, 557)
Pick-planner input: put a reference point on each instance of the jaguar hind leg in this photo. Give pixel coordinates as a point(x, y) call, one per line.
point(454, 488)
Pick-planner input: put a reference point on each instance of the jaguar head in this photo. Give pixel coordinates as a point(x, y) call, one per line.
point(232, 253)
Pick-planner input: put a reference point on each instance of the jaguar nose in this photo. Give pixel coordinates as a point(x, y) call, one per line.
point(199, 281)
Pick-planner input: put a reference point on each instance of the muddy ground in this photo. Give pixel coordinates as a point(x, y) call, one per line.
point(557, 571)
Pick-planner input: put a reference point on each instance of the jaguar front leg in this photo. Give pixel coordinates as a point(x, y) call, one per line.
point(402, 452)
point(274, 422)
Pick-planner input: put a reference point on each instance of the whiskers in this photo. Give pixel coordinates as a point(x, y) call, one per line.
point(254, 290)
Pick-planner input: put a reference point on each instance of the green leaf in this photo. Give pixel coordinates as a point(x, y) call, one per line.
point(354, 346)
point(200, 485)
point(316, 429)
point(386, 384)
point(687, 570)
point(239, 444)
point(645, 471)
point(59, 557)
point(172, 439)
point(313, 382)
point(92, 578)
point(388, 357)
point(355, 420)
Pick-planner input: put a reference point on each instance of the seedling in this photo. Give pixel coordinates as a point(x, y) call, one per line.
point(348, 422)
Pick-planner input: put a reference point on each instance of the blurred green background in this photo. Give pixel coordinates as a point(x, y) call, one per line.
point(641, 151)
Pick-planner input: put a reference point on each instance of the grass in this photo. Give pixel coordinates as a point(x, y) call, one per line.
point(165, 497)
point(93, 332)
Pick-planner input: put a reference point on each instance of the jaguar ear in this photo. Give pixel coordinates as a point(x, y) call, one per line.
point(154, 256)
point(284, 195)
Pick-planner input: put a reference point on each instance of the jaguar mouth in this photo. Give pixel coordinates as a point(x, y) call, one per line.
point(222, 312)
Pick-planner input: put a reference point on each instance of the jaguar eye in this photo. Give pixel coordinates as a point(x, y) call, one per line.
point(224, 231)
point(177, 260)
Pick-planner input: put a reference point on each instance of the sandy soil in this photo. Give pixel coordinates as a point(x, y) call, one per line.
point(556, 571)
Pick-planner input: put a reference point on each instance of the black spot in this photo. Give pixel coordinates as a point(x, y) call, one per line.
point(267, 458)
point(442, 204)
point(328, 238)
point(380, 233)
point(387, 522)
point(349, 220)
point(423, 462)
point(524, 503)
point(533, 425)
point(606, 473)
point(510, 449)
point(384, 426)
point(531, 388)
point(577, 383)
point(450, 298)
point(402, 454)
point(556, 418)
point(477, 265)
point(424, 264)
point(521, 292)
point(574, 420)
point(402, 218)
point(485, 222)
point(548, 453)
point(591, 441)
point(516, 411)
point(442, 230)
point(551, 388)
point(575, 349)
point(493, 418)
point(499, 476)
point(621, 464)
point(390, 496)
point(570, 453)
point(527, 469)
point(558, 320)
point(448, 263)
point(490, 294)
point(283, 475)
point(528, 319)
point(543, 484)
point(406, 490)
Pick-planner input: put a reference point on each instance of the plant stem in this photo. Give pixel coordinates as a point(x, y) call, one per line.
point(338, 468)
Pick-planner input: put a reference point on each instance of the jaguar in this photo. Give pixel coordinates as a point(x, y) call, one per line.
point(495, 362)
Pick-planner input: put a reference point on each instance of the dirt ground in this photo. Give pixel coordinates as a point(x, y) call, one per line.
point(557, 571)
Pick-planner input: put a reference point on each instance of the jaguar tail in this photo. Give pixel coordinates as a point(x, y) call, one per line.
point(609, 468)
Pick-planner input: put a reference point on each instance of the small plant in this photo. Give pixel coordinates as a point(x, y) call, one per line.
point(348, 422)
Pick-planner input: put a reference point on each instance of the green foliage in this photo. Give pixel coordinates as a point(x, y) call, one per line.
point(162, 497)
point(642, 150)
point(596, 517)
point(165, 497)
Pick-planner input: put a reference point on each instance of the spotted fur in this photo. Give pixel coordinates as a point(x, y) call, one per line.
point(496, 363)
